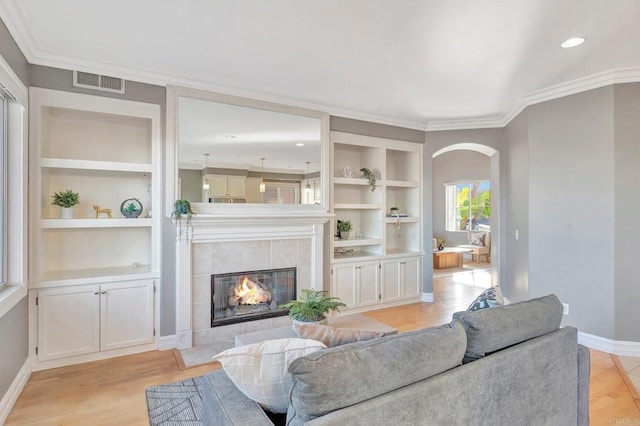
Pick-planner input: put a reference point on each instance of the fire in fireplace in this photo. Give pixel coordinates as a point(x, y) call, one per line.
point(251, 295)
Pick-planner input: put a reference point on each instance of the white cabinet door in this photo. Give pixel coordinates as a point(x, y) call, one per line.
point(390, 280)
point(344, 283)
point(68, 321)
point(236, 186)
point(411, 276)
point(368, 283)
point(217, 185)
point(126, 311)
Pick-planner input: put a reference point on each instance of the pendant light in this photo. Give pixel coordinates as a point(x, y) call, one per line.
point(205, 182)
point(307, 188)
point(263, 187)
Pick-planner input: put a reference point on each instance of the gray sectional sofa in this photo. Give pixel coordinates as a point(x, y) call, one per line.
point(519, 368)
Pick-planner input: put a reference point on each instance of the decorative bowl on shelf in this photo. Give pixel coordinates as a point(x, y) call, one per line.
point(131, 208)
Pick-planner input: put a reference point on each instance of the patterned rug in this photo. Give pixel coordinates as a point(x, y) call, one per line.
point(178, 403)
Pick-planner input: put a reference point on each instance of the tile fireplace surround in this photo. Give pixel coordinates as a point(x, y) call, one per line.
point(235, 239)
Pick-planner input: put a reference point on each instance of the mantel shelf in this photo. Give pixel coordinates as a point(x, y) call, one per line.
point(95, 223)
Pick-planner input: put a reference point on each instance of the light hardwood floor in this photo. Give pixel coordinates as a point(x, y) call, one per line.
point(111, 392)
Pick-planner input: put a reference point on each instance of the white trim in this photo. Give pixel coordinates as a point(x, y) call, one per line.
point(167, 342)
point(12, 394)
point(427, 297)
point(10, 296)
point(617, 347)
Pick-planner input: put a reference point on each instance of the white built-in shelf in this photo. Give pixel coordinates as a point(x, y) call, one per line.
point(357, 206)
point(65, 163)
point(403, 252)
point(350, 181)
point(355, 256)
point(394, 220)
point(402, 183)
point(95, 275)
point(95, 223)
point(357, 242)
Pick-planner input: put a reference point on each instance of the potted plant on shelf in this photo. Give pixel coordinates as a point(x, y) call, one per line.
point(370, 176)
point(131, 208)
point(181, 215)
point(312, 307)
point(344, 227)
point(441, 244)
point(393, 210)
point(66, 200)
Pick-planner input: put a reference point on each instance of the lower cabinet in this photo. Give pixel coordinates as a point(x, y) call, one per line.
point(79, 320)
point(367, 283)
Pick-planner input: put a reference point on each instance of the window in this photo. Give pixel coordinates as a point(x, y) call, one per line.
point(281, 193)
point(468, 206)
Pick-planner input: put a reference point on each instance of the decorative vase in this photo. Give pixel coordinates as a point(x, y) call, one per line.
point(295, 322)
point(344, 235)
point(441, 247)
point(66, 212)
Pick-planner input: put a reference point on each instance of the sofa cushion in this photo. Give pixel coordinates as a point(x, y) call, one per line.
point(489, 330)
point(477, 239)
point(363, 370)
point(260, 371)
point(332, 336)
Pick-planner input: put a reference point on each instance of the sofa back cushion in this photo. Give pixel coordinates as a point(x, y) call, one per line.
point(490, 330)
point(332, 336)
point(339, 377)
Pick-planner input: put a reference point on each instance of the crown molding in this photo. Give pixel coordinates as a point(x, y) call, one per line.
point(27, 42)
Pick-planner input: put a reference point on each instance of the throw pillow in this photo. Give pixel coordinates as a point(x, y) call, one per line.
point(332, 336)
point(260, 370)
point(477, 239)
point(490, 298)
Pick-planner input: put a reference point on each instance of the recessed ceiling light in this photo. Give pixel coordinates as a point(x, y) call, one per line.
point(299, 144)
point(572, 42)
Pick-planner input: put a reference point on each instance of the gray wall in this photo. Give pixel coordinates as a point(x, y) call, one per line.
point(454, 166)
point(191, 184)
point(13, 55)
point(515, 275)
point(14, 338)
point(571, 213)
point(627, 208)
point(14, 324)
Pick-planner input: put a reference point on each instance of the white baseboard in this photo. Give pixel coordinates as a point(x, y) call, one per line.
point(166, 342)
point(427, 297)
point(14, 391)
point(616, 347)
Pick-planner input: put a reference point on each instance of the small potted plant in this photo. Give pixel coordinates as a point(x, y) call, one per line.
point(370, 176)
point(393, 211)
point(441, 244)
point(344, 227)
point(131, 208)
point(181, 210)
point(66, 200)
point(312, 306)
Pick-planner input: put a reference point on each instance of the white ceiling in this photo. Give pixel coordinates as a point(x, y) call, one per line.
point(405, 62)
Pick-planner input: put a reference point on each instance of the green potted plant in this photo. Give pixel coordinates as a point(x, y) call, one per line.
point(370, 176)
point(312, 306)
point(66, 200)
point(131, 208)
point(181, 215)
point(344, 227)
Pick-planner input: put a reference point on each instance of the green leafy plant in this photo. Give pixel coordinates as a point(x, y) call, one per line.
point(368, 174)
point(394, 209)
point(131, 207)
point(344, 225)
point(182, 208)
point(66, 198)
point(313, 305)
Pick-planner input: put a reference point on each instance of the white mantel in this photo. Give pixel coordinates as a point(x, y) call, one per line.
point(239, 223)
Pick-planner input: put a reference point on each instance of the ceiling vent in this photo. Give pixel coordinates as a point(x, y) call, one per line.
point(98, 82)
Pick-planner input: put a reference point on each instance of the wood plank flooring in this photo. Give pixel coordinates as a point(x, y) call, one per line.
point(111, 392)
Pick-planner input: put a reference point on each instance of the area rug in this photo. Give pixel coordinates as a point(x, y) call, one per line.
point(178, 403)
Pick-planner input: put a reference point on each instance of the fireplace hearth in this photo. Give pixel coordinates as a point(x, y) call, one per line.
point(251, 295)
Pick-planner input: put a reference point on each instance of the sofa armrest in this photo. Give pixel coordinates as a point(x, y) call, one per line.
point(584, 369)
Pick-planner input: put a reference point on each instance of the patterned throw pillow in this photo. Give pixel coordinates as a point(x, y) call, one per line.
point(477, 239)
point(332, 336)
point(490, 298)
point(260, 370)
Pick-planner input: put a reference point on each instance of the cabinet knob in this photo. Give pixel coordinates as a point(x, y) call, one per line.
point(103, 292)
point(95, 292)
